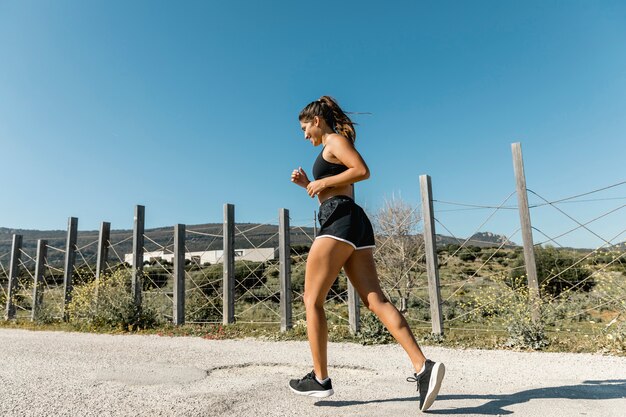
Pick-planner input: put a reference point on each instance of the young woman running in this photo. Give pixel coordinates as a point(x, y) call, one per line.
point(346, 240)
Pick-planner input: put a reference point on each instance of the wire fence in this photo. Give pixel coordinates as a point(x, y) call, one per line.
point(303, 231)
point(584, 290)
point(204, 288)
point(581, 290)
point(4, 272)
point(470, 264)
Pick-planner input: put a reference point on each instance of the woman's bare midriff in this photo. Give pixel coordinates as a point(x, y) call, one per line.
point(331, 192)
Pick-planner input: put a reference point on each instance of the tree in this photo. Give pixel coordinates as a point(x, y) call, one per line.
point(399, 250)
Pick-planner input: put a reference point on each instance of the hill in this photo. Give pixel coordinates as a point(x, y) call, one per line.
point(201, 237)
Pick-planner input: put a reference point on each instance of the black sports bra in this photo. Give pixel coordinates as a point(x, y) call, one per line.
point(322, 168)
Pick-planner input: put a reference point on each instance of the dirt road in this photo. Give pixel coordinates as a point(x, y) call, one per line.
point(75, 374)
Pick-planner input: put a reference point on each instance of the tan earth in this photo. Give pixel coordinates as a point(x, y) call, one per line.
point(78, 374)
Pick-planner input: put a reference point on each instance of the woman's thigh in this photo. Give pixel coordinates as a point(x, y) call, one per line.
point(326, 258)
point(361, 270)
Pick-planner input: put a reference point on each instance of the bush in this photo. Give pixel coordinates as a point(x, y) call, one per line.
point(557, 270)
point(469, 254)
point(615, 338)
point(299, 250)
point(373, 331)
point(511, 306)
point(109, 305)
point(248, 275)
point(202, 307)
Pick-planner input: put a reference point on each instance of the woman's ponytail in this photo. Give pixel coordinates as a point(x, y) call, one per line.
point(327, 108)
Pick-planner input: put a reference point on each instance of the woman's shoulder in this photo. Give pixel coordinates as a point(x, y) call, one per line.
point(335, 139)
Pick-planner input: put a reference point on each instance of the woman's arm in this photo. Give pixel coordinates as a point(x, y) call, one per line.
point(299, 177)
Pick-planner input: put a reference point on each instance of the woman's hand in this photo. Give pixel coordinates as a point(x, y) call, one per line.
point(315, 187)
point(298, 177)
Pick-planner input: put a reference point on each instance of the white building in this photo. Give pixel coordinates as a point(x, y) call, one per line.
point(210, 256)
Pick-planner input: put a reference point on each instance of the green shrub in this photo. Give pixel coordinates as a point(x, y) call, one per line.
point(502, 304)
point(469, 254)
point(615, 338)
point(300, 250)
point(248, 275)
point(557, 270)
point(373, 331)
point(202, 307)
point(108, 304)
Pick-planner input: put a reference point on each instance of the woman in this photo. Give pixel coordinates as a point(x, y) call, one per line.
point(345, 240)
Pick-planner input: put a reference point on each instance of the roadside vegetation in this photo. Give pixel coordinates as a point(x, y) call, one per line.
point(583, 305)
point(485, 298)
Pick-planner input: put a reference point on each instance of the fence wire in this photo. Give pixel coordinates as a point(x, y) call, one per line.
point(336, 306)
point(204, 275)
point(4, 278)
point(157, 276)
point(472, 266)
point(582, 290)
point(257, 286)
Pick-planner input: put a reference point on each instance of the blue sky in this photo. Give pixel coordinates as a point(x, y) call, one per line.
point(184, 106)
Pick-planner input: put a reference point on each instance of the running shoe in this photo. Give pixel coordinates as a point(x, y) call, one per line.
point(428, 383)
point(311, 387)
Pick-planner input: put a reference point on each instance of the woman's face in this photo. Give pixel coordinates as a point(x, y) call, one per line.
point(312, 131)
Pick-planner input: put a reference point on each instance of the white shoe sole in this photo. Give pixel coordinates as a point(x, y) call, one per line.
point(316, 394)
point(434, 385)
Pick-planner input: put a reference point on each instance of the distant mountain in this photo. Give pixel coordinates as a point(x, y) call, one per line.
point(201, 237)
point(483, 240)
point(491, 238)
point(619, 246)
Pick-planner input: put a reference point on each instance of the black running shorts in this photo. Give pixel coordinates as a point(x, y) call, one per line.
point(342, 219)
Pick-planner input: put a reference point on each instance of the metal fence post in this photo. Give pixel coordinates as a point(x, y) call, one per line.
point(103, 248)
point(138, 243)
point(229, 264)
point(284, 251)
point(179, 275)
point(16, 248)
point(70, 258)
point(432, 265)
point(38, 286)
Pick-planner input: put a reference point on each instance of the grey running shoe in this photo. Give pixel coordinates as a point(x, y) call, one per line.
point(428, 383)
point(310, 387)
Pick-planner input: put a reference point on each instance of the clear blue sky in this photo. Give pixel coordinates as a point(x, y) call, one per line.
point(184, 106)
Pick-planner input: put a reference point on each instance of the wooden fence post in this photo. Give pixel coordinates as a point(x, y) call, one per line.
point(432, 265)
point(527, 234)
point(229, 265)
point(179, 275)
point(354, 311)
point(138, 243)
point(38, 286)
point(70, 258)
point(16, 248)
point(103, 248)
point(284, 254)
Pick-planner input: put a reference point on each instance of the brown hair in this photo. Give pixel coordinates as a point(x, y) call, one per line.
point(328, 109)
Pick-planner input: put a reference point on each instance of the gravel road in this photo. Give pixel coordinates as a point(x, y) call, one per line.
point(77, 374)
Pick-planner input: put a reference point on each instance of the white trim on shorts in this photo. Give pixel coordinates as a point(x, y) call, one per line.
point(346, 241)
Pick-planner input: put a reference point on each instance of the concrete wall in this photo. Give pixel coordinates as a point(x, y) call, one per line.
point(211, 256)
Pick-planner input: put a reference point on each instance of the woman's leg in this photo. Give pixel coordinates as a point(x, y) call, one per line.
point(323, 264)
point(361, 270)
